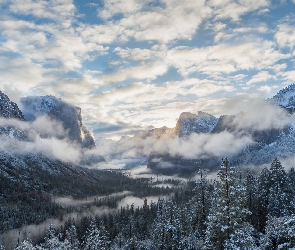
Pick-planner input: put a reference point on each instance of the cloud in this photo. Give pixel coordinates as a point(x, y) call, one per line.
point(219, 59)
point(285, 36)
point(43, 125)
point(141, 72)
point(49, 146)
point(263, 115)
point(56, 10)
point(262, 76)
point(234, 10)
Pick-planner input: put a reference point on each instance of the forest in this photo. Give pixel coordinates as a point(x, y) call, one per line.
point(236, 211)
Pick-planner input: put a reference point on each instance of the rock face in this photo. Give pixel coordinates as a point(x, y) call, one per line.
point(68, 115)
point(267, 143)
point(9, 109)
point(190, 123)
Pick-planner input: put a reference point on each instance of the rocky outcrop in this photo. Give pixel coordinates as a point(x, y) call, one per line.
point(68, 115)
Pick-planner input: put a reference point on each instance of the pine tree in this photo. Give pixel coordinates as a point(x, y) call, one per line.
point(95, 238)
point(252, 199)
point(263, 198)
point(228, 212)
point(52, 241)
point(26, 245)
point(241, 239)
point(291, 177)
point(281, 201)
point(1, 246)
point(72, 238)
point(200, 205)
point(166, 231)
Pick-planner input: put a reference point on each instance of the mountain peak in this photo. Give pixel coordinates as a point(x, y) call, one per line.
point(285, 98)
point(67, 114)
point(191, 123)
point(9, 109)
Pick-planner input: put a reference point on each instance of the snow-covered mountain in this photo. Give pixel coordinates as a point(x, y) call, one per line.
point(191, 123)
point(68, 115)
point(10, 110)
point(267, 143)
point(285, 98)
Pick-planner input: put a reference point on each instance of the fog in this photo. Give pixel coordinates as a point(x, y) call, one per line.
point(258, 115)
point(36, 232)
point(39, 136)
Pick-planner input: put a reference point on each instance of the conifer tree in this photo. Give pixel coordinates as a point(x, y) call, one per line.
point(281, 202)
point(263, 198)
point(72, 238)
point(200, 205)
point(95, 238)
point(1, 246)
point(252, 199)
point(26, 245)
point(228, 212)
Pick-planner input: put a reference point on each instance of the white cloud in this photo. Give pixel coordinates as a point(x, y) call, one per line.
point(230, 9)
point(138, 54)
point(288, 75)
point(20, 73)
point(224, 58)
point(57, 10)
point(265, 88)
point(285, 36)
point(141, 72)
point(261, 76)
point(144, 21)
point(262, 115)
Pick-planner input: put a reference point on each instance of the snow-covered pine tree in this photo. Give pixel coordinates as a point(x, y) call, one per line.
point(263, 198)
point(252, 199)
point(166, 231)
point(291, 176)
point(281, 201)
point(72, 238)
point(26, 245)
point(1, 246)
point(279, 233)
point(52, 241)
point(95, 238)
point(200, 205)
point(228, 212)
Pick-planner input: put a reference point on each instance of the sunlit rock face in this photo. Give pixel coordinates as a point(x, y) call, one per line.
point(68, 115)
point(189, 123)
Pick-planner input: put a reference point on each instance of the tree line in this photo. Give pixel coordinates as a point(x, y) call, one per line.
point(232, 212)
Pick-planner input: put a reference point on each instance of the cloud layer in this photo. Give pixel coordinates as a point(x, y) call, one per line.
point(128, 63)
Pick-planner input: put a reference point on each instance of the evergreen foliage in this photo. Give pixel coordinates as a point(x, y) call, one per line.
point(231, 213)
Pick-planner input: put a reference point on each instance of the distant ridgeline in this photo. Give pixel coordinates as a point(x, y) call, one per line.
point(267, 142)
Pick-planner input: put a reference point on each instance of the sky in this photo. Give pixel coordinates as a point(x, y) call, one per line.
point(136, 64)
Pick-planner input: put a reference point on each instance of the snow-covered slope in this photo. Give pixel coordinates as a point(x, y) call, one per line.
point(285, 98)
point(68, 115)
point(9, 109)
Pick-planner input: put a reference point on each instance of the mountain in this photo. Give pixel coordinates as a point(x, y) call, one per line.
point(29, 179)
point(285, 98)
point(9, 110)
point(68, 115)
point(191, 123)
point(266, 143)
